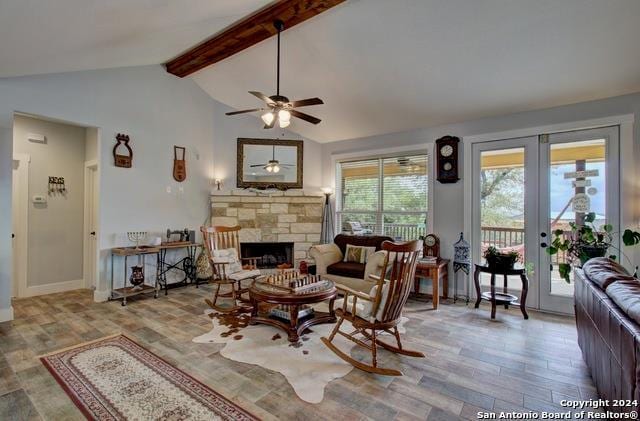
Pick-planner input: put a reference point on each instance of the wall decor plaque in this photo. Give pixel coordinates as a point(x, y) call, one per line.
point(179, 164)
point(122, 144)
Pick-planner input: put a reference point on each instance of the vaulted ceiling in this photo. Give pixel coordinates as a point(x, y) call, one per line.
point(49, 36)
point(380, 66)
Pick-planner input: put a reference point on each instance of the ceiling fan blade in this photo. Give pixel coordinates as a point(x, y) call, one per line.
point(306, 117)
point(244, 111)
point(306, 102)
point(263, 97)
point(257, 165)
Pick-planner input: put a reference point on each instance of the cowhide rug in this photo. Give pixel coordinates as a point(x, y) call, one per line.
point(308, 365)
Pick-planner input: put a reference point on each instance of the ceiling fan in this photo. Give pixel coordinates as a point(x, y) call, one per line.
point(273, 165)
point(278, 105)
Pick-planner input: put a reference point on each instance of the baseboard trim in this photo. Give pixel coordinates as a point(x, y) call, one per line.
point(32, 291)
point(100, 296)
point(6, 314)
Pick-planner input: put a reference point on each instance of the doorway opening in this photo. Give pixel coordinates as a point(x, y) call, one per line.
point(55, 202)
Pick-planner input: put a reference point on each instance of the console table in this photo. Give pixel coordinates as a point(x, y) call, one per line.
point(500, 298)
point(129, 291)
point(187, 265)
point(437, 271)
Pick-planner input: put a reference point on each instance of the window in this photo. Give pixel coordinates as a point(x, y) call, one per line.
point(384, 196)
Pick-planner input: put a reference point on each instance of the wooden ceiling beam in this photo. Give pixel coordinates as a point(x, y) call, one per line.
point(247, 32)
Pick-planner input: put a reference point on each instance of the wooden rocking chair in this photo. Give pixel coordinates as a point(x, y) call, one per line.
point(381, 310)
point(228, 267)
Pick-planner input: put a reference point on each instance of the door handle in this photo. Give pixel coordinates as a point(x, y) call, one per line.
point(93, 233)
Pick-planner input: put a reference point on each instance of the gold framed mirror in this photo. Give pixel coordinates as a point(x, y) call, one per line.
point(269, 163)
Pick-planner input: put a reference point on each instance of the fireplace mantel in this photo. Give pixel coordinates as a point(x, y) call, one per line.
point(272, 216)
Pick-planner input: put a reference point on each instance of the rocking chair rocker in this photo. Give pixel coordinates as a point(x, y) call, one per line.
point(223, 249)
point(381, 310)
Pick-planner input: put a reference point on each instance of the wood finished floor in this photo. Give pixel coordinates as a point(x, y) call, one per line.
point(473, 364)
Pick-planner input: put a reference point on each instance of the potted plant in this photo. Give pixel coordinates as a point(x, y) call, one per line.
point(586, 242)
point(500, 260)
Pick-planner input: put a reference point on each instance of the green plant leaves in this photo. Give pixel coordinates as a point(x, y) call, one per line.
point(565, 271)
point(590, 217)
point(630, 238)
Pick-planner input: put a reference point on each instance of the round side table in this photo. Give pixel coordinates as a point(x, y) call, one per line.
point(501, 298)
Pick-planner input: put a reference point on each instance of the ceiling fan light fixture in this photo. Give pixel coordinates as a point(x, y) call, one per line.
point(284, 115)
point(276, 168)
point(284, 123)
point(268, 118)
point(269, 168)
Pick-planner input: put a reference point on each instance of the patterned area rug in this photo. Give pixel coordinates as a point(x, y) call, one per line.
point(116, 379)
point(308, 365)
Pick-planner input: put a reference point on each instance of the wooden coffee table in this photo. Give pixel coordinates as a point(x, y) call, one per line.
point(261, 292)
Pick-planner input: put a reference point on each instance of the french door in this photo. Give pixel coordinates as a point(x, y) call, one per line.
point(526, 189)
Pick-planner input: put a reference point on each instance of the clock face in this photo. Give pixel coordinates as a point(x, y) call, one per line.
point(447, 166)
point(446, 151)
point(430, 240)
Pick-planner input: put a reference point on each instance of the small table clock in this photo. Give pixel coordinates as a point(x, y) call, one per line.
point(447, 159)
point(431, 247)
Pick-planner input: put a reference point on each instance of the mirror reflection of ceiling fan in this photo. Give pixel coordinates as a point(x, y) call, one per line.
point(273, 165)
point(279, 108)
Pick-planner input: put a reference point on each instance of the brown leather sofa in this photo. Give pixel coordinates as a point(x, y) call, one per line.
point(607, 304)
point(329, 261)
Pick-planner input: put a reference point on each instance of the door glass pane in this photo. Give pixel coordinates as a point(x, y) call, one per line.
point(502, 202)
point(577, 181)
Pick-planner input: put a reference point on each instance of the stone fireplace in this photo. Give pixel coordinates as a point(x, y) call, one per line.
point(292, 216)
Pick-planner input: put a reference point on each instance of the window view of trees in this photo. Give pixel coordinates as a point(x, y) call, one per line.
point(386, 195)
point(502, 197)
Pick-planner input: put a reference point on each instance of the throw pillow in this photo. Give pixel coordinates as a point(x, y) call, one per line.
point(358, 254)
point(229, 256)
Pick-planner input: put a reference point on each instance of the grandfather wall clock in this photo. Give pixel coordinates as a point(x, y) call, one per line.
point(447, 159)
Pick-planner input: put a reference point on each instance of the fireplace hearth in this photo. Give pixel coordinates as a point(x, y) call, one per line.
point(269, 255)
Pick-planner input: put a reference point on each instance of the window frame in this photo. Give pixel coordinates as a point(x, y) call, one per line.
point(380, 212)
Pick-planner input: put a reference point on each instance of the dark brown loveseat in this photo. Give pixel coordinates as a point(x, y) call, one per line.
point(607, 304)
point(329, 261)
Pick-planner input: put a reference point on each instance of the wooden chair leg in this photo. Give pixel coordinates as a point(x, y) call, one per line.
point(374, 356)
point(357, 364)
point(335, 329)
point(397, 335)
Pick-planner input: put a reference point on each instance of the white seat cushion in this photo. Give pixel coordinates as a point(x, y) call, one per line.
point(363, 307)
point(244, 274)
point(229, 256)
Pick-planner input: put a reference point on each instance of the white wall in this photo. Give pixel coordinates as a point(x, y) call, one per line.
point(447, 209)
point(157, 111)
point(91, 144)
point(6, 166)
point(55, 234)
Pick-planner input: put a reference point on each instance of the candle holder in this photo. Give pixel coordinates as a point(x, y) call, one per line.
point(136, 237)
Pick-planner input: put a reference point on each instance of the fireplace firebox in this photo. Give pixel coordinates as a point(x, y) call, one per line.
point(269, 255)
